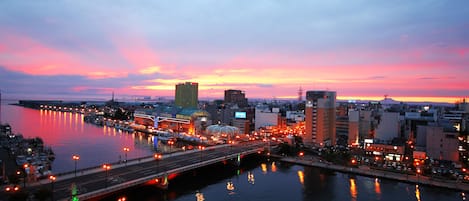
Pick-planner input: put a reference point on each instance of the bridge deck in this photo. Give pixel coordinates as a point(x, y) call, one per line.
point(97, 182)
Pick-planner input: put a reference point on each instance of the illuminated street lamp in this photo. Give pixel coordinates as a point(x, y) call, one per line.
point(201, 148)
point(301, 154)
point(106, 168)
point(418, 175)
point(24, 176)
point(76, 158)
point(52, 180)
point(170, 142)
point(231, 142)
point(126, 149)
point(18, 173)
point(157, 158)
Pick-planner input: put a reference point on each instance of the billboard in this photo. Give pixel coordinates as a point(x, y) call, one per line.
point(240, 115)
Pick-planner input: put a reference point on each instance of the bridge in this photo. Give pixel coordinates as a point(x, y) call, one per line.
point(92, 183)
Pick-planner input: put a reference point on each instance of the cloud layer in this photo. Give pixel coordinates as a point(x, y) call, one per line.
point(266, 48)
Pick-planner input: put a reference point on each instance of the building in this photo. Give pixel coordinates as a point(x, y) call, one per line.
point(164, 117)
point(441, 144)
point(187, 95)
point(366, 129)
point(265, 117)
point(237, 97)
point(320, 117)
point(388, 128)
point(353, 127)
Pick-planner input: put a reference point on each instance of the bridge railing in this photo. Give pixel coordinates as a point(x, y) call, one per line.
point(116, 164)
point(138, 181)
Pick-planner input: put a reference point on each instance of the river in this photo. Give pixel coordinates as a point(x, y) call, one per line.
point(271, 181)
point(68, 134)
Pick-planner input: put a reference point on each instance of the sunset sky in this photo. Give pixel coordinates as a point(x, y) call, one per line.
point(410, 50)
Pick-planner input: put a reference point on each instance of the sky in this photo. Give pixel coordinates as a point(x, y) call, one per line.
point(409, 50)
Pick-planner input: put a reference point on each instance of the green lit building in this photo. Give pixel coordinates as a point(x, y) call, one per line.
point(187, 95)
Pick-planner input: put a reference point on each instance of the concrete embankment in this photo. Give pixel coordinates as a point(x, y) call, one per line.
point(366, 171)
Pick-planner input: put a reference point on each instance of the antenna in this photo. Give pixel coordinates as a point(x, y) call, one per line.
point(300, 94)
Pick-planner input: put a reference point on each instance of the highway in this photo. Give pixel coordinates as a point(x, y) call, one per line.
point(125, 176)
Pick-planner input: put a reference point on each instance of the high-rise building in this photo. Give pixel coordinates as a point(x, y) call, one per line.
point(320, 116)
point(236, 97)
point(187, 95)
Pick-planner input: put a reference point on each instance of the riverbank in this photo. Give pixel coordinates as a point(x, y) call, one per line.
point(366, 171)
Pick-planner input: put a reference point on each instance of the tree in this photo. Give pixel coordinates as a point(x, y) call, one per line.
point(14, 178)
point(42, 194)
point(19, 196)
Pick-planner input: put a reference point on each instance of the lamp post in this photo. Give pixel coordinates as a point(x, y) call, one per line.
point(24, 176)
point(52, 180)
point(418, 175)
point(231, 142)
point(170, 142)
point(126, 149)
point(18, 173)
point(76, 158)
point(106, 168)
point(201, 149)
point(301, 154)
point(157, 158)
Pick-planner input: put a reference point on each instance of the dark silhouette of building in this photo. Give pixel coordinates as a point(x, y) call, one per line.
point(236, 97)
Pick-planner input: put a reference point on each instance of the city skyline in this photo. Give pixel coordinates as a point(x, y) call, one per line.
point(411, 51)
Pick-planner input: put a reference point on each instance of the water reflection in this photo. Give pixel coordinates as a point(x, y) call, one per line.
point(250, 177)
point(68, 134)
point(230, 187)
point(199, 196)
point(301, 177)
point(274, 167)
point(377, 187)
point(417, 192)
point(353, 189)
point(264, 168)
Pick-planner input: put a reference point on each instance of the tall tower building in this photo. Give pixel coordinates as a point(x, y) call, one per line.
point(236, 97)
point(320, 118)
point(187, 95)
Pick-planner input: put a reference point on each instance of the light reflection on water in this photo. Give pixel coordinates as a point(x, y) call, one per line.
point(353, 189)
point(68, 134)
point(377, 187)
point(283, 185)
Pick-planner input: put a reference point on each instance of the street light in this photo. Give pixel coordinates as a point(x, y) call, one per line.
point(170, 142)
point(231, 142)
point(126, 149)
point(24, 176)
point(106, 168)
point(157, 158)
point(76, 158)
point(18, 173)
point(52, 179)
point(418, 175)
point(201, 149)
point(301, 154)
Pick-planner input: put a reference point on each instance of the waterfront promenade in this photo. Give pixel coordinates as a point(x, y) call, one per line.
point(367, 171)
